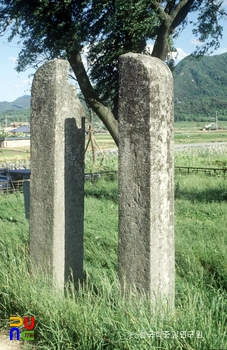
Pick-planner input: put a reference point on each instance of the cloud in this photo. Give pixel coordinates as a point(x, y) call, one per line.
point(196, 42)
point(13, 59)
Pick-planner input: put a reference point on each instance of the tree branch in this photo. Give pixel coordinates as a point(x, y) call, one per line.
point(180, 13)
point(172, 18)
point(169, 7)
point(104, 113)
point(160, 49)
point(156, 6)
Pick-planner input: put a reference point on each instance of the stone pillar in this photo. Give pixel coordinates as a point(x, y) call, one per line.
point(146, 169)
point(57, 174)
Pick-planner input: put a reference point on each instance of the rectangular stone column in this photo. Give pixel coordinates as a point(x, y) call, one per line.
point(146, 169)
point(57, 174)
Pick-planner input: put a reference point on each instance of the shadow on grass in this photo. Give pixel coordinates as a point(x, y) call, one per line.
point(206, 195)
point(211, 271)
point(215, 274)
point(104, 188)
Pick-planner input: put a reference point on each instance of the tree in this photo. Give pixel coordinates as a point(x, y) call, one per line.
point(109, 28)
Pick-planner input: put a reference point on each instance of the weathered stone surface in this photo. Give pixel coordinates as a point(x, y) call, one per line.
point(146, 168)
point(57, 174)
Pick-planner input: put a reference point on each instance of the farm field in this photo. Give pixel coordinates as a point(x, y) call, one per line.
point(180, 137)
point(184, 133)
point(196, 126)
point(96, 316)
point(14, 156)
point(105, 142)
point(183, 137)
point(191, 132)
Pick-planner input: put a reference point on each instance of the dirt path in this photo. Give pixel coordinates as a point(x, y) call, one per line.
point(6, 344)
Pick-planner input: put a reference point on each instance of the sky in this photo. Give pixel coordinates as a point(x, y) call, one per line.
point(14, 85)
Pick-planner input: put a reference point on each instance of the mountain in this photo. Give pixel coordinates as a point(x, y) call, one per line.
point(200, 88)
point(21, 103)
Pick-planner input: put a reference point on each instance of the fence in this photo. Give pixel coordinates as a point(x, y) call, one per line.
point(17, 185)
point(196, 170)
point(10, 186)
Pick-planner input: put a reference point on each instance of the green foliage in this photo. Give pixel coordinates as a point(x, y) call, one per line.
point(207, 26)
point(117, 28)
point(50, 29)
point(3, 134)
point(200, 87)
point(47, 28)
point(110, 162)
point(14, 116)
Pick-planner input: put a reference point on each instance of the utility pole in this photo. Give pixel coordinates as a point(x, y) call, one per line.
point(216, 120)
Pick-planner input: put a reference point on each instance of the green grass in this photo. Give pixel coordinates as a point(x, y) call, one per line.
point(200, 137)
point(96, 316)
point(109, 162)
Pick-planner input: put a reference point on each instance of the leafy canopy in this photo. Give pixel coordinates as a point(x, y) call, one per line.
point(60, 28)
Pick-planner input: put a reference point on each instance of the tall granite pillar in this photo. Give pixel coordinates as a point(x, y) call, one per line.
point(57, 174)
point(146, 169)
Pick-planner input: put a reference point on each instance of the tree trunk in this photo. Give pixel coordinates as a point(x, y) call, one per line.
point(104, 113)
point(161, 46)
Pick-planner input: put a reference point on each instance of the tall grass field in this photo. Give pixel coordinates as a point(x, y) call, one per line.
point(96, 316)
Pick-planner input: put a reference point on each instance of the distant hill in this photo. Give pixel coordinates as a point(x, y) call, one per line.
point(200, 88)
point(21, 103)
